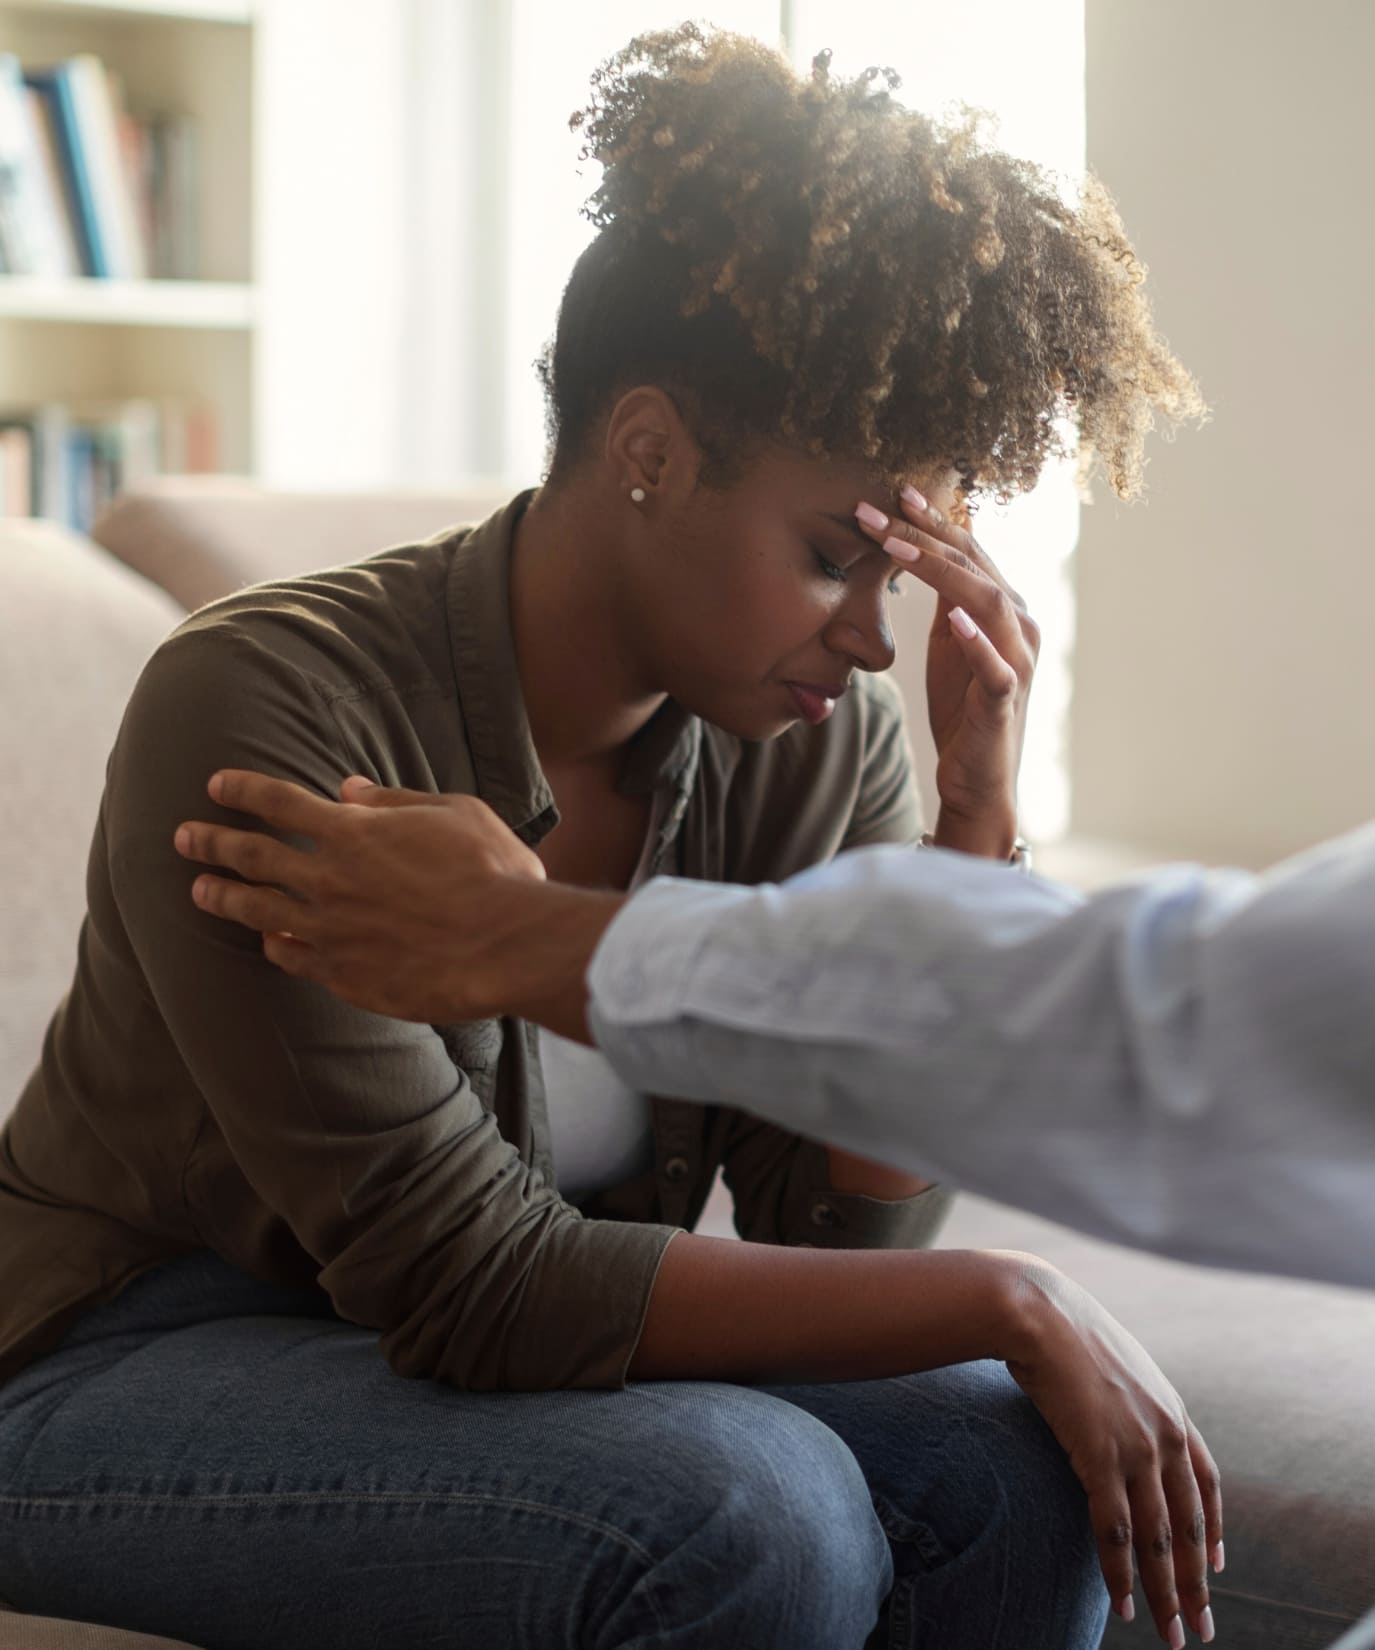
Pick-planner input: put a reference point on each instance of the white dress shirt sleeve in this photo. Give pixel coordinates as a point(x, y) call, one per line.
point(1185, 1063)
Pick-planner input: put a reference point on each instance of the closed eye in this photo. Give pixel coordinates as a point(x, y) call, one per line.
point(839, 575)
point(828, 568)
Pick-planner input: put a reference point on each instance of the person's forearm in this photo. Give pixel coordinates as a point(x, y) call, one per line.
point(862, 1175)
point(1182, 1063)
point(730, 1311)
point(537, 963)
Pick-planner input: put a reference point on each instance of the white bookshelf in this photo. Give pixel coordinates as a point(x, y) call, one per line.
point(103, 340)
point(198, 11)
point(214, 305)
point(308, 231)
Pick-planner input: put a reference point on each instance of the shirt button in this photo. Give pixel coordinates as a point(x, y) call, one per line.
point(676, 1169)
point(823, 1215)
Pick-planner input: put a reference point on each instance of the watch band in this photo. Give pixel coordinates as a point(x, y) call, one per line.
point(1019, 859)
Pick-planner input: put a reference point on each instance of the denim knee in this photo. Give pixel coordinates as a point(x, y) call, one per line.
point(1010, 1512)
point(777, 1545)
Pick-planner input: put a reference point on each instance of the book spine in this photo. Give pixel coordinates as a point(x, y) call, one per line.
point(97, 126)
point(16, 466)
point(56, 86)
point(63, 258)
point(16, 251)
point(43, 242)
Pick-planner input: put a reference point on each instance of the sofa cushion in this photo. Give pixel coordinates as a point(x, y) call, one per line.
point(75, 629)
point(200, 537)
point(1277, 1377)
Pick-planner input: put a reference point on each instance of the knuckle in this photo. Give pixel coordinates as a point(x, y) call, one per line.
point(1139, 1446)
point(1117, 1532)
point(1162, 1540)
point(1197, 1531)
point(1000, 608)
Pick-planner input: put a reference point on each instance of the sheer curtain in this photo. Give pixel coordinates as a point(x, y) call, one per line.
point(496, 194)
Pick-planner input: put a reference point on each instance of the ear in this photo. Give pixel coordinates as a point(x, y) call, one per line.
point(649, 446)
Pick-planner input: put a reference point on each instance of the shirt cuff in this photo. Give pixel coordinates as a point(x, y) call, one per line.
point(640, 969)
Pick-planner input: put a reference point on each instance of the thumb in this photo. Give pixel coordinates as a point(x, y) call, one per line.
point(364, 793)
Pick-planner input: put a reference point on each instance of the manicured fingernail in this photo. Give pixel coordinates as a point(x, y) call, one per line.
point(359, 783)
point(1206, 1631)
point(199, 889)
point(1126, 1608)
point(911, 496)
point(901, 550)
point(182, 840)
point(216, 785)
point(1176, 1634)
point(1219, 1559)
point(871, 517)
point(961, 621)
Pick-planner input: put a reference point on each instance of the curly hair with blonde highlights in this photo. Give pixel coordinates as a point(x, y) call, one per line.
point(805, 261)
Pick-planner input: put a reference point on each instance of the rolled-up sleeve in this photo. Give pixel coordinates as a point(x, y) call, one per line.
point(356, 1131)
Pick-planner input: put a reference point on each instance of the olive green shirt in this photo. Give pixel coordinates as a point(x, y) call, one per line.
point(190, 1095)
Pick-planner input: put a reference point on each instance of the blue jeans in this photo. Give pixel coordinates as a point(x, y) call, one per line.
point(226, 1461)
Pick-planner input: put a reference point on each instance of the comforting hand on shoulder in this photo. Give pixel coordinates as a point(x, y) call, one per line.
point(403, 905)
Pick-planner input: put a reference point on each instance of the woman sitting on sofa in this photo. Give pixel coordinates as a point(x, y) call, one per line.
point(234, 1212)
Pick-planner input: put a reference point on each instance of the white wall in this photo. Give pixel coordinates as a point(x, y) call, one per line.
point(1225, 674)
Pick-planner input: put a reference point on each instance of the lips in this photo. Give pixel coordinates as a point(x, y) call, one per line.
point(814, 702)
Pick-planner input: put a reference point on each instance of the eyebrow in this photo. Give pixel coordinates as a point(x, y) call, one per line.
point(854, 527)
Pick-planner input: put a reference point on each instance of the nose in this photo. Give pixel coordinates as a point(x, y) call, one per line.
point(861, 632)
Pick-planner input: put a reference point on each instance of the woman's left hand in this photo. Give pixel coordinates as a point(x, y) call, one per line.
point(979, 665)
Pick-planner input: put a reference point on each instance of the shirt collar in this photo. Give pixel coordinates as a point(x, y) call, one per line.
point(663, 755)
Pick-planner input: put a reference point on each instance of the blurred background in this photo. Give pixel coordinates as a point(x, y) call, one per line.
point(321, 242)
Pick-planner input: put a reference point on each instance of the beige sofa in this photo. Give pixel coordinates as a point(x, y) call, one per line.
point(1279, 1375)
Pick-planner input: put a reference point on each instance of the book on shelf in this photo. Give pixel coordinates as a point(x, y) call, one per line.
point(65, 462)
point(37, 236)
point(86, 188)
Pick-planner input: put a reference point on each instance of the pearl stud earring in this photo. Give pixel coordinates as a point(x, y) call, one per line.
point(637, 495)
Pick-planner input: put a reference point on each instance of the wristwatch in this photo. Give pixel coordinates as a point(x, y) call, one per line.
point(1019, 859)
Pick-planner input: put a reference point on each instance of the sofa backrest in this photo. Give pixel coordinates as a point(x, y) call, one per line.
point(200, 537)
point(75, 630)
